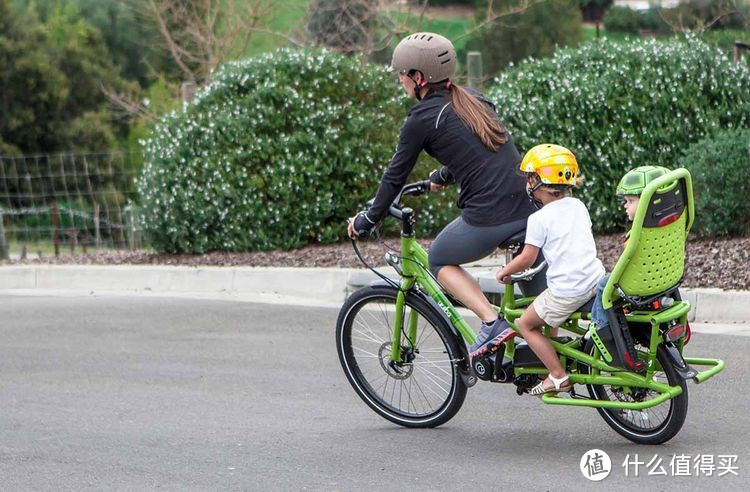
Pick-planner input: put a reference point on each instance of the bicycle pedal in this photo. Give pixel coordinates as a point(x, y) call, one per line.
point(495, 344)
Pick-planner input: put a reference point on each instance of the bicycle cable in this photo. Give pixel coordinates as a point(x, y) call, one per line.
point(394, 251)
point(362, 260)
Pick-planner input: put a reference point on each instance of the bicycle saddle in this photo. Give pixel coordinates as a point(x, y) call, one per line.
point(515, 239)
point(585, 310)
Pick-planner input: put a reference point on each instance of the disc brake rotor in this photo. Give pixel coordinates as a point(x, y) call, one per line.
point(396, 370)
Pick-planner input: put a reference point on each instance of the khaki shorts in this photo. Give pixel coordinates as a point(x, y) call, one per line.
point(554, 310)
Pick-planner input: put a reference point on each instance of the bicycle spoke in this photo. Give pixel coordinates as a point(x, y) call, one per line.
point(432, 364)
point(369, 333)
point(416, 388)
point(437, 381)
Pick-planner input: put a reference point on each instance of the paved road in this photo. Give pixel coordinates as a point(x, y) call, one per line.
point(140, 393)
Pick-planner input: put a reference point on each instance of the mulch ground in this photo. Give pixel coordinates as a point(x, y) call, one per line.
point(723, 263)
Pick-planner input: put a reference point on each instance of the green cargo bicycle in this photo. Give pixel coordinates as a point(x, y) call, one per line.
point(403, 345)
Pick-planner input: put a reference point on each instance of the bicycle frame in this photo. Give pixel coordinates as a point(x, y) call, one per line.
point(414, 268)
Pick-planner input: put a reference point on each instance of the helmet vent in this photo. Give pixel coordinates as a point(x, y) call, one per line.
point(443, 53)
point(445, 61)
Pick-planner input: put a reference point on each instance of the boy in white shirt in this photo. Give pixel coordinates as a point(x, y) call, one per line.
point(562, 230)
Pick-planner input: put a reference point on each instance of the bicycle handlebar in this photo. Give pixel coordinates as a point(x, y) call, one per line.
point(528, 274)
point(412, 189)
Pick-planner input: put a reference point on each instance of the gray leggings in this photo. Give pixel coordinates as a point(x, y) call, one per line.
point(461, 243)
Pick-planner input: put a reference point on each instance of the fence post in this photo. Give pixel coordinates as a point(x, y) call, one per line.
point(4, 254)
point(474, 69)
point(131, 229)
point(740, 45)
point(97, 231)
point(187, 90)
point(55, 227)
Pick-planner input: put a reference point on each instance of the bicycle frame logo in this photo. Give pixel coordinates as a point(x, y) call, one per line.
point(445, 309)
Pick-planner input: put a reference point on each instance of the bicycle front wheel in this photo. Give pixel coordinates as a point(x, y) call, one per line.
point(425, 389)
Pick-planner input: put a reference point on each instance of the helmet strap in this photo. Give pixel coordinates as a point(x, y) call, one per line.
point(418, 87)
point(530, 193)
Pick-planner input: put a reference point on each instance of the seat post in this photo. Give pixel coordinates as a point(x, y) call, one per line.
point(510, 251)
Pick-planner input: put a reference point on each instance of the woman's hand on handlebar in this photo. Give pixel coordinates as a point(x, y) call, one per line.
point(360, 226)
point(437, 183)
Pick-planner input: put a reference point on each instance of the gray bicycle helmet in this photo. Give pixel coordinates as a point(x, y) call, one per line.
point(430, 53)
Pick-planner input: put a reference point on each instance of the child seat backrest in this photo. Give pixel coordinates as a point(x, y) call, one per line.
point(654, 259)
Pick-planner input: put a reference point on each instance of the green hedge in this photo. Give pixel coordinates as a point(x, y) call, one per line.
point(720, 166)
point(622, 105)
point(535, 32)
point(277, 152)
point(630, 21)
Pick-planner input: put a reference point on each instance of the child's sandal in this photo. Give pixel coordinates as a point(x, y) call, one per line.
point(560, 385)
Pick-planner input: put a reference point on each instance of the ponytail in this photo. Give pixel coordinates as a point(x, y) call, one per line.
point(476, 115)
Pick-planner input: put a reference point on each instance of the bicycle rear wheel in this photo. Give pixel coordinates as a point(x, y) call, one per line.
point(655, 425)
point(426, 389)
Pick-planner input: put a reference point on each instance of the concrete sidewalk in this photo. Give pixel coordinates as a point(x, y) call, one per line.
point(328, 286)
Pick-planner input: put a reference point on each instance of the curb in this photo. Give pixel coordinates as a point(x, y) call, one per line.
point(328, 285)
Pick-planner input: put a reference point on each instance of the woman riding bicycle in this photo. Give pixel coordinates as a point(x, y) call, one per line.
point(460, 129)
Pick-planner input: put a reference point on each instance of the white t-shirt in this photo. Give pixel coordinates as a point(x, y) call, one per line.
point(562, 229)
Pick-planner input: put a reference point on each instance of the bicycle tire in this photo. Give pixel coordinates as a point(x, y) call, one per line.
point(661, 433)
point(358, 366)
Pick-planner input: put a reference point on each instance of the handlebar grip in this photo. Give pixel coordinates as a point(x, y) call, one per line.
point(528, 274)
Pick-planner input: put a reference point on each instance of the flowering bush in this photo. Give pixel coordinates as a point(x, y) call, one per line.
point(720, 166)
point(276, 152)
point(622, 105)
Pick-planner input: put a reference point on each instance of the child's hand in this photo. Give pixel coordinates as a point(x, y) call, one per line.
point(502, 277)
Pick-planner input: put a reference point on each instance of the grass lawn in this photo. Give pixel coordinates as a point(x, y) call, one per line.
point(589, 32)
point(47, 248)
point(287, 17)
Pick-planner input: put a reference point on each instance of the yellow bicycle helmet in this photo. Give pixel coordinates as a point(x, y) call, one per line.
point(554, 164)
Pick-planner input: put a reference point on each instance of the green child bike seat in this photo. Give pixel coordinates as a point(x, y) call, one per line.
point(654, 259)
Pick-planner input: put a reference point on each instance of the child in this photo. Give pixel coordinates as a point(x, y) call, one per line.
point(562, 230)
point(629, 189)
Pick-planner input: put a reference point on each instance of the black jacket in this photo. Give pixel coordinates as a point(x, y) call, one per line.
point(491, 189)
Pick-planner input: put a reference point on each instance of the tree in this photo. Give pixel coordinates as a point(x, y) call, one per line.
point(130, 41)
point(700, 15)
point(593, 10)
point(346, 25)
point(534, 32)
point(50, 84)
point(200, 35)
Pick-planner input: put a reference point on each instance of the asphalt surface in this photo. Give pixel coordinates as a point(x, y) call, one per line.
point(144, 393)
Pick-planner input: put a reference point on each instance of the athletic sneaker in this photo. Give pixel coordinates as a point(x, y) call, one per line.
point(487, 333)
point(494, 344)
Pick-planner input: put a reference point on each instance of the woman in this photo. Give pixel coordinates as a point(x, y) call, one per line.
point(460, 129)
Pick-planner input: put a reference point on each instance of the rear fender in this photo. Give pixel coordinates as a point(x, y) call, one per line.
point(678, 362)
